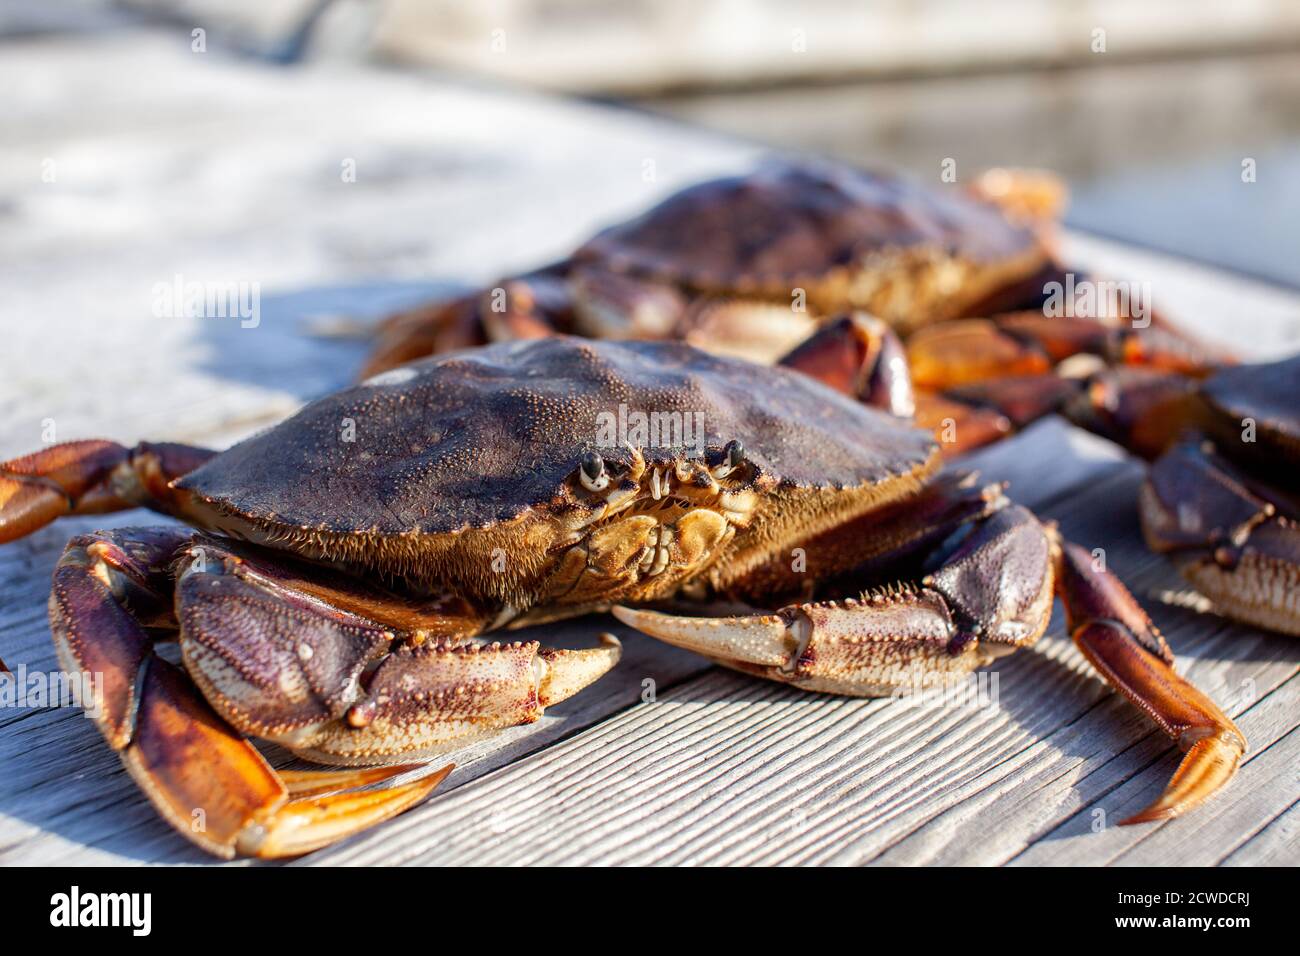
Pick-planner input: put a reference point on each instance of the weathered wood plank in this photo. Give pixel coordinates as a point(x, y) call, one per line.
point(1275, 845)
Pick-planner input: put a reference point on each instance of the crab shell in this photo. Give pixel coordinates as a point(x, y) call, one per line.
point(462, 472)
point(1222, 500)
point(848, 238)
point(1260, 395)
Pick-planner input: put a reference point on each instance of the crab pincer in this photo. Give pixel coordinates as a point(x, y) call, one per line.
point(1120, 641)
point(966, 578)
point(267, 654)
point(205, 779)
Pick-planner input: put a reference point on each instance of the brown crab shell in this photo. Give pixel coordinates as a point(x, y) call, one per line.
point(849, 237)
point(423, 470)
point(1266, 395)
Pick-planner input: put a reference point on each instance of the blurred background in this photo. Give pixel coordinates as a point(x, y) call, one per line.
point(1152, 110)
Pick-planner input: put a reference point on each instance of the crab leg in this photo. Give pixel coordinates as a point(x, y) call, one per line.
point(1122, 643)
point(209, 783)
point(968, 371)
point(443, 326)
point(1234, 539)
point(986, 593)
point(610, 305)
point(862, 357)
point(534, 305)
point(214, 787)
point(948, 354)
point(887, 543)
point(990, 593)
point(90, 477)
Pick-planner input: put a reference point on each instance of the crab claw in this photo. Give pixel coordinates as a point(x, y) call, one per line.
point(861, 356)
point(764, 640)
point(205, 779)
point(1119, 640)
point(990, 593)
point(217, 789)
point(565, 672)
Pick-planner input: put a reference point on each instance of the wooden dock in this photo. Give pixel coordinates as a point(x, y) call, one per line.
point(135, 161)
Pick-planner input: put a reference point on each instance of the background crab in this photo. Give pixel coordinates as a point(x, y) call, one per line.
point(752, 264)
point(1221, 496)
point(759, 264)
point(333, 595)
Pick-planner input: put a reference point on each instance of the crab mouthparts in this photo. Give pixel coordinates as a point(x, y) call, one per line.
point(656, 528)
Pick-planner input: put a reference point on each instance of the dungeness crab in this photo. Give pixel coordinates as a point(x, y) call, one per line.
point(752, 264)
point(346, 563)
point(758, 265)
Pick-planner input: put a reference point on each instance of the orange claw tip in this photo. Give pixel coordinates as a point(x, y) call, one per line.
point(310, 823)
point(1210, 763)
point(305, 783)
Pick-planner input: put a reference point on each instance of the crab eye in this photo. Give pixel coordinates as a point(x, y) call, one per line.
point(732, 455)
point(592, 472)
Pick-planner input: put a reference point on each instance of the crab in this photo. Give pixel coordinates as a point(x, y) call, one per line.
point(342, 572)
point(1220, 496)
point(752, 264)
point(763, 264)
